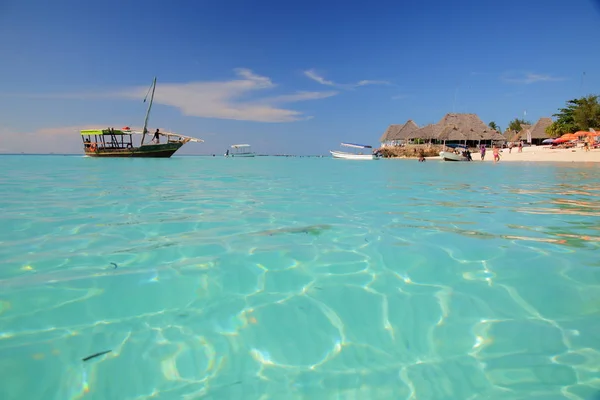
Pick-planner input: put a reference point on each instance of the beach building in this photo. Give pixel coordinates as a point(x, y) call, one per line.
point(462, 128)
point(386, 139)
point(537, 133)
point(515, 136)
point(428, 133)
point(533, 134)
point(396, 135)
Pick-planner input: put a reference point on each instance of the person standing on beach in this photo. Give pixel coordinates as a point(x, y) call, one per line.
point(521, 146)
point(496, 154)
point(482, 151)
point(589, 142)
point(510, 146)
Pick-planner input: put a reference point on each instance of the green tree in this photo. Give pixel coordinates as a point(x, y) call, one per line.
point(587, 113)
point(515, 124)
point(555, 130)
point(494, 126)
point(565, 119)
point(578, 115)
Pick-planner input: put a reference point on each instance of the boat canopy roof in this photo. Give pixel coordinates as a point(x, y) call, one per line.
point(453, 146)
point(106, 132)
point(238, 146)
point(127, 131)
point(357, 146)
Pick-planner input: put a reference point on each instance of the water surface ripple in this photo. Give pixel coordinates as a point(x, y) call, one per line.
point(280, 278)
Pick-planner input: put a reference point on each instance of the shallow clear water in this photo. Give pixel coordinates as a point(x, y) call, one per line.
point(297, 278)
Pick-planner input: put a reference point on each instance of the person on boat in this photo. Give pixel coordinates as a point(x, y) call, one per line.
point(156, 136)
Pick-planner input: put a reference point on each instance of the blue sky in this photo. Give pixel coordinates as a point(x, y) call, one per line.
point(286, 77)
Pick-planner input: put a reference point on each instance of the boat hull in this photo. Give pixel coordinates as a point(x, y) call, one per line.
point(165, 150)
point(450, 156)
point(350, 156)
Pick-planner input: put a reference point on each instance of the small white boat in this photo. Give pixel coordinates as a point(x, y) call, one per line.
point(458, 154)
point(240, 150)
point(357, 155)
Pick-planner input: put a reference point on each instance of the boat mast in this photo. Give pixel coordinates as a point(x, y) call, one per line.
point(148, 111)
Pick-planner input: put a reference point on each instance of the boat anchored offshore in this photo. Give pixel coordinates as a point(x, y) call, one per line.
point(240, 150)
point(357, 155)
point(112, 142)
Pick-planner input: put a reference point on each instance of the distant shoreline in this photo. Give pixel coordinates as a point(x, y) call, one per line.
point(545, 154)
point(174, 156)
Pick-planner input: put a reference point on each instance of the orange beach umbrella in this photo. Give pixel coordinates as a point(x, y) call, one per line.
point(569, 136)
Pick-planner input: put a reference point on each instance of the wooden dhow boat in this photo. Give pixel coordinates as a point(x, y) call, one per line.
point(112, 142)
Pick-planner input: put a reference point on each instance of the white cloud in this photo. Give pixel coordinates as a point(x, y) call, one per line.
point(371, 82)
point(224, 99)
point(312, 74)
point(298, 96)
point(529, 78)
point(233, 99)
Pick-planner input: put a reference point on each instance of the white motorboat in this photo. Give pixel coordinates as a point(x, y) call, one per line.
point(357, 155)
point(459, 153)
point(240, 150)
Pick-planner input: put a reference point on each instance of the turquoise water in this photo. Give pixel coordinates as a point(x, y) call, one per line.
point(297, 278)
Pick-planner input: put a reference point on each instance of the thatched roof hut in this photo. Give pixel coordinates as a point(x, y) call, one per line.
point(538, 130)
point(452, 133)
point(496, 136)
point(452, 127)
point(465, 127)
point(390, 132)
point(399, 132)
point(426, 133)
point(515, 136)
point(407, 129)
point(511, 135)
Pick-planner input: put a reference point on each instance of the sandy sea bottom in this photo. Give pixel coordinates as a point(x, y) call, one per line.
point(280, 278)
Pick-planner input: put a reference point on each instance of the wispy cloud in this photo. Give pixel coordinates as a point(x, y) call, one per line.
point(371, 82)
point(224, 99)
point(312, 74)
point(234, 99)
point(529, 77)
point(298, 96)
point(315, 76)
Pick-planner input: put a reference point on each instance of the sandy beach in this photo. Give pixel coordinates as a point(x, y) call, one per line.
point(540, 154)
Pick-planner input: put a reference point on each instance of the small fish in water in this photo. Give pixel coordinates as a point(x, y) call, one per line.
point(311, 229)
point(96, 355)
